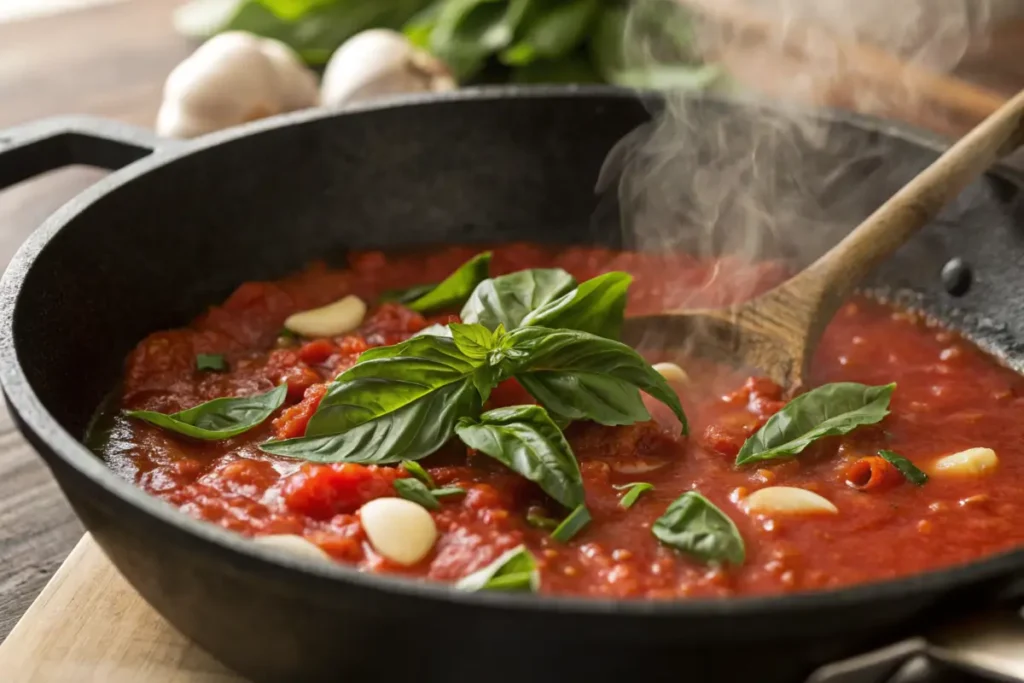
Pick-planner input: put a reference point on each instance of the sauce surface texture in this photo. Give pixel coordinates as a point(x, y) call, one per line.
point(949, 397)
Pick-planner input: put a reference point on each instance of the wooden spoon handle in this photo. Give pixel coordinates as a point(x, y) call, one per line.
point(834, 275)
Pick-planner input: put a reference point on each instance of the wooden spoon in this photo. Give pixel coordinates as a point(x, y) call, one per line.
point(777, 332)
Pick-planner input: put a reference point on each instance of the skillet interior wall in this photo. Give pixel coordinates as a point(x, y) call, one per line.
point(170, 242)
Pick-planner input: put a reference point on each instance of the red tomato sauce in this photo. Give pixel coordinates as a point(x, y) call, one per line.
point(950, 397)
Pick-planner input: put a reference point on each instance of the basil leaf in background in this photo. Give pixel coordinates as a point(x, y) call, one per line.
point(313, 28)
point(670, 77)
point(512, 571)
point(507, 299)
point(404, 296)
point(908, 469)
point(221, 418)
point(575, 68)
point(452, 291)
point(210, 362)
point(524, 439)
point(633, 491)
point(416, 491)
point(829, 410)
point(540, 521)
point(572, 525)
point(552, 29)
point(419, 28)
point(580, 376)
point(694, 525)
point(416, 470)
point(388, 378)
point(448, 491)
point(467, 32)
point(410, 433)
point(606, 49)
point(597, 306)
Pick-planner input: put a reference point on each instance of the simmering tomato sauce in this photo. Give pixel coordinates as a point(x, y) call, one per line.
point(949, 397)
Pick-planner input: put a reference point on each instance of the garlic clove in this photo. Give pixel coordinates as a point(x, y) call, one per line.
point(787, 500)
point(331, 320)
point(381, 62)
point(972, 462)
point(672, 373)
point(293, 545)
point(297, 85)
point(398, 529)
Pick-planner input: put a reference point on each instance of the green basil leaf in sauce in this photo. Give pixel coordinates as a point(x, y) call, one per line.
point(221, 418)
point(580, 376)
point(525, 439)
point(389, 378)
point(908, 469)
point(597, 306)
point(572, 525)
point(515, 570)
point(633, 491)
point(829, 410)
point(411, 432)
point(537, 519)
point(416, 491)
point(507, 299)
point(211, 362)
point(416, 470)
point(448, 491)
point(694, 525)
point(451, 292)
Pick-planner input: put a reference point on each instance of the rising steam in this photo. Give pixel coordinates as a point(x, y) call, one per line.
point(771, 180)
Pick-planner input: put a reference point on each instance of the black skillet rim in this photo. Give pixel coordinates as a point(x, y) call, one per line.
point(45, 427)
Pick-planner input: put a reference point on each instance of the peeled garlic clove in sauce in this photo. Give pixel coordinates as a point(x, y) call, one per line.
point(344, 315)
point(787, 500)
point(293, 545)
point(398, 529)
point(672, 372)
point(972, 462)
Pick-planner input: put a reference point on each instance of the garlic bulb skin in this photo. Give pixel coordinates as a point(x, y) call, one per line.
point(380, 62)
point(233, 78)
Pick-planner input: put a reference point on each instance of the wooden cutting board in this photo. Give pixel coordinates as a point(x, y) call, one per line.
point(89, 626)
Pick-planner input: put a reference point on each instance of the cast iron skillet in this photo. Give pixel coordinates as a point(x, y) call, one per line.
point(182, 224)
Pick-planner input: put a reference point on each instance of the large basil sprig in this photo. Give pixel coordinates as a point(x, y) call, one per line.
point(524, 439)
point(221, 418)
point(694, 525)
point(507, 299)
point(580, 376)
point(829, 410)
point(597, 306)
point(453, 291)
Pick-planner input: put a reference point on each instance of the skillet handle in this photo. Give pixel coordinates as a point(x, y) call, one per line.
point(48, 144)
point(991, 643)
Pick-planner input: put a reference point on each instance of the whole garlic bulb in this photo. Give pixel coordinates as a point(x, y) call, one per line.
point(381, 62)
point(232, 78)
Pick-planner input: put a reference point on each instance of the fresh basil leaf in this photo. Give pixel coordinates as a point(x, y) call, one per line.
point(388, 378)
point(553, 29)
point(633, 491)
point(435, 330)
point(829, 410)
point(606, 44)
point(475, 341)
point(908, 469)
point(467, 32)
point(419, 28)
point(416, 491)
point(221, 418)
point(448, 491)
point(572, 525)
point(210, 362)
point(597, 306)
point(512, 571)
point(410, 433)
point(404, 296)
point(450, 292)
point(694, 525)
point(507, 299)
point(580, 376)
point(535, 518)
point(526, 440)
point(416, 470)
point(576, 68)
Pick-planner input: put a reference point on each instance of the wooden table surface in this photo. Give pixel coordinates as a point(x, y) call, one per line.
point(110, 60)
